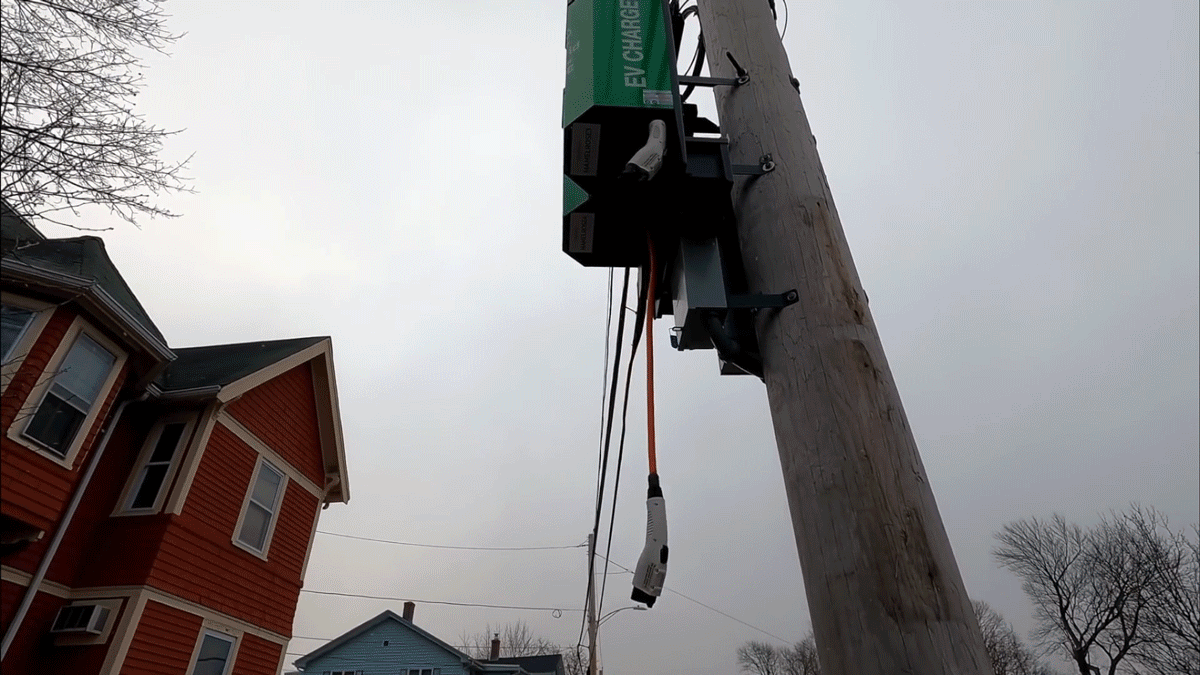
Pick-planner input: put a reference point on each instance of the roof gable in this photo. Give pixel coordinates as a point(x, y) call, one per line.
point(359, 643)
point(229, 371)
point(222, 365)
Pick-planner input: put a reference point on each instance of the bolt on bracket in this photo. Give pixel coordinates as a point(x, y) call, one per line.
point(766, 164)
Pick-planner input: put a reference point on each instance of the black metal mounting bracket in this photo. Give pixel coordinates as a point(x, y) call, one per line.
point(713, 81)
point(754, 301)
point(763, 300)
point(765, 165)
point(742, 77)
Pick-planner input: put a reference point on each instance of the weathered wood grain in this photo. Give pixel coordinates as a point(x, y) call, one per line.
point(884, 591)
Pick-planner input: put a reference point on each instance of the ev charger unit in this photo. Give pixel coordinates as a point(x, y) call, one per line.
point(635, 165)
point(639, 176)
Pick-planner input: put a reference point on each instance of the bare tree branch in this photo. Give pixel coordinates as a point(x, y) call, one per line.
point(516, 639)
point(69, 136)
point(1115, 597)
point(759, 658)
point(1008, 654)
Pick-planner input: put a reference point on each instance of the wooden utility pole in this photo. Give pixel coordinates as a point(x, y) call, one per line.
point(884, 591)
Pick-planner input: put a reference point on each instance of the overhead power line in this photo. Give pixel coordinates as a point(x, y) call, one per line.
point(710, 607)
point(605, 444)
point(643, 290)
point(456, 548)
point(438, 602)
point(624, 569)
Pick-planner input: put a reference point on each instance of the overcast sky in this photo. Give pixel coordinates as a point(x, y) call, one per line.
point(1018, 183)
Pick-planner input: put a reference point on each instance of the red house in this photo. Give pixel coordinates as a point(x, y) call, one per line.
point(158, 505)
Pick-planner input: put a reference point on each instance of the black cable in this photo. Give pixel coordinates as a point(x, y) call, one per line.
point(787, 14)
point(604, 374)
point(637, 338)
point(606, 445)
point(698, 65)
point(698, 55)
point(457, 548)
point(710, 607)
point(436, 602)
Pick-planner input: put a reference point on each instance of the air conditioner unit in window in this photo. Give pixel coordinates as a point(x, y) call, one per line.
point(81, 619)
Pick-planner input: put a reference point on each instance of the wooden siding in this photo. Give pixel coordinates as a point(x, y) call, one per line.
point(257, 656)
point(36, 489)
point(282, 412)
point(33, 647)
point(28, 558)
point(406, 648)
point(100, 550)
point(10, 595)
point(198, 561)
point(163, 641)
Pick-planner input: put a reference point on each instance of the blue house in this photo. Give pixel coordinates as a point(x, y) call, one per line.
point(390, 644)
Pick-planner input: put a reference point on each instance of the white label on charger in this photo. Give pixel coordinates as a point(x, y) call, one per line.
point(657, 97)
point(585, 149)
point(582, 236)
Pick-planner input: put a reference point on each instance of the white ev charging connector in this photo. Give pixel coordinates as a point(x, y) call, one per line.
point(649, 158)
point(651, 570)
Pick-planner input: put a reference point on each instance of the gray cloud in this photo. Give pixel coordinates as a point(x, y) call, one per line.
point(1018, 183)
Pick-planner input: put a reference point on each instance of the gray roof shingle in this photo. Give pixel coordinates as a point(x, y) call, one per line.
point(14, 227)
point(536, 665)
point(196, 367)
point(83, 257)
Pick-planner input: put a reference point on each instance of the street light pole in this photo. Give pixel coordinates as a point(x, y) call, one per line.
point(608, 616)
point(593, 624)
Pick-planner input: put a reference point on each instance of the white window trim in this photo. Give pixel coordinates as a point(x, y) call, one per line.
point(28, 337)
point(237, 528)
point(258, 445)
point(16, 431)
point(219, 632)
point(114, 608)
point(124, 507)
point(194, 453)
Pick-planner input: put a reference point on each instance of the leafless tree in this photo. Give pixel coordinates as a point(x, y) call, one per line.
point(1095, 590)
point(1173, 620)
point(575, 661)
point(1007, 653)
point(763, 658)
point(801, 658)
point(69, 136)
point(759, 658)
point(516, 639)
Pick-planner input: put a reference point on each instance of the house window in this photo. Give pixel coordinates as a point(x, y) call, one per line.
point(423, 671)
point(260, 510)
point(14, 321)
point(214, 654)
point(71, 395)
point(163, 451)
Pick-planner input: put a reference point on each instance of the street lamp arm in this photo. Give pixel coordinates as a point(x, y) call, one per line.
point(608, 616)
